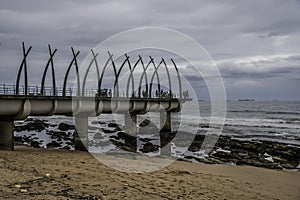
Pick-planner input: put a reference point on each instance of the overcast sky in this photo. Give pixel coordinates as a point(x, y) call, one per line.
point(255, 43)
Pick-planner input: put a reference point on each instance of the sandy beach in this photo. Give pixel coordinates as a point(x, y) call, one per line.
point(28, 173)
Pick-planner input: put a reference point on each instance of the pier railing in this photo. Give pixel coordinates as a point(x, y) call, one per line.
point(10, 89)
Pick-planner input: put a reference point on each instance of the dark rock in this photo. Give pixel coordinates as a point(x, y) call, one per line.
point(114, 137)
point(97, 122)
point(37, 125)
point(147, 127)
point(126, 136)
point(113, 125)
point(166, 138)
point(146, 139)
point(258, 163)
point(32, 125)
point(250, 152)
point(93, 128)
point(204, 126)
point(197, 143)
point(35, 144)
point(108, 131)
point(144, 123)
point(117, 129)
point(59, 135)
point(65, 127)
point(130, 147)
point(288, 166)
point(19, 128)
point(202, 160)
point(70, 143)
point(67, 147)
point(18, 139)
point(149, 147)
point(53, 144)
point(98, 136)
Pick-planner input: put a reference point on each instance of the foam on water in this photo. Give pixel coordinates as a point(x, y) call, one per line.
point(271, 121)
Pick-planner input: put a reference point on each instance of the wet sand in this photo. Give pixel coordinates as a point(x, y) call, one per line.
point(28, 173)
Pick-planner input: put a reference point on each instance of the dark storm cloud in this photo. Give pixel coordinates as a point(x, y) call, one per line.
point(249, 40)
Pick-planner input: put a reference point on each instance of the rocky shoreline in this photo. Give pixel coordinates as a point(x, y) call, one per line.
point(227, 150)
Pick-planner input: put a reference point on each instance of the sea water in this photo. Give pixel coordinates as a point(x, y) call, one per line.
point(244, 120)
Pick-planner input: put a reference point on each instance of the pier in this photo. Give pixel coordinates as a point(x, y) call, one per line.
point(17, 101)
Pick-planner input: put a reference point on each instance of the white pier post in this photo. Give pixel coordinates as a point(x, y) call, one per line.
point(130, 123)
point(7, 135)
point(165, 131)
point(81, 133)
point(130, 128)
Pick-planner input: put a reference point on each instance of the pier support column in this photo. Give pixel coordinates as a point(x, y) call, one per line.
point(165, 133)
point(81, 133)
point(130, 129)
point(130, 124)
point(7, 135)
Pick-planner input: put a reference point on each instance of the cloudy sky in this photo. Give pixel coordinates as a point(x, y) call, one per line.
point(255, 43)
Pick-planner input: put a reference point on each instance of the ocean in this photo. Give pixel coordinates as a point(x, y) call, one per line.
point(260, 120)
point(277, 121)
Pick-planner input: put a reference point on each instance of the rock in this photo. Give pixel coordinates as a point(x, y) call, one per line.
point(204, 126)
point(35, 144)
point(149, 147)
point(18, 139)
point(93, 128)
point(113, 125)
point(197, 143)
point(53, 144)
point(65, 127)
point(202, 160)
point(146, 139)
point(126, 136)
point(147, 127)
point(67, 147)
point(97, 122)
point(59, 135)
point(108, 131)
point(114, 137)
point(166, 138)
point(250, 152)
point(144, 123)
point(32, 125)
point(71, 143)
point(130, 147)
point(98, 136)
point(19, 128)
point(288, 166)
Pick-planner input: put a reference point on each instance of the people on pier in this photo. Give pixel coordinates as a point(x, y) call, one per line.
point(144, 94)
point(185, 94)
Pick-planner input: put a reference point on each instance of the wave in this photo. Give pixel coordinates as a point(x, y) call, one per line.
point(266, 112)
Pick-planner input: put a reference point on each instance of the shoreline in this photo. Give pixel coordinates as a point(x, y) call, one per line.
point(74, 174)
point(110, 135)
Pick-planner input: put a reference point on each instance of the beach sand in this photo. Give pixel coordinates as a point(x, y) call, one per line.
point(28, 173)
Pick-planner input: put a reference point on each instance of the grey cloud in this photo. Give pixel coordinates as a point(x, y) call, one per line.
point(285, 67)
point(229, 30)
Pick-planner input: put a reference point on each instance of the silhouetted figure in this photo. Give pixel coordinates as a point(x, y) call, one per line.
point(185, 94)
